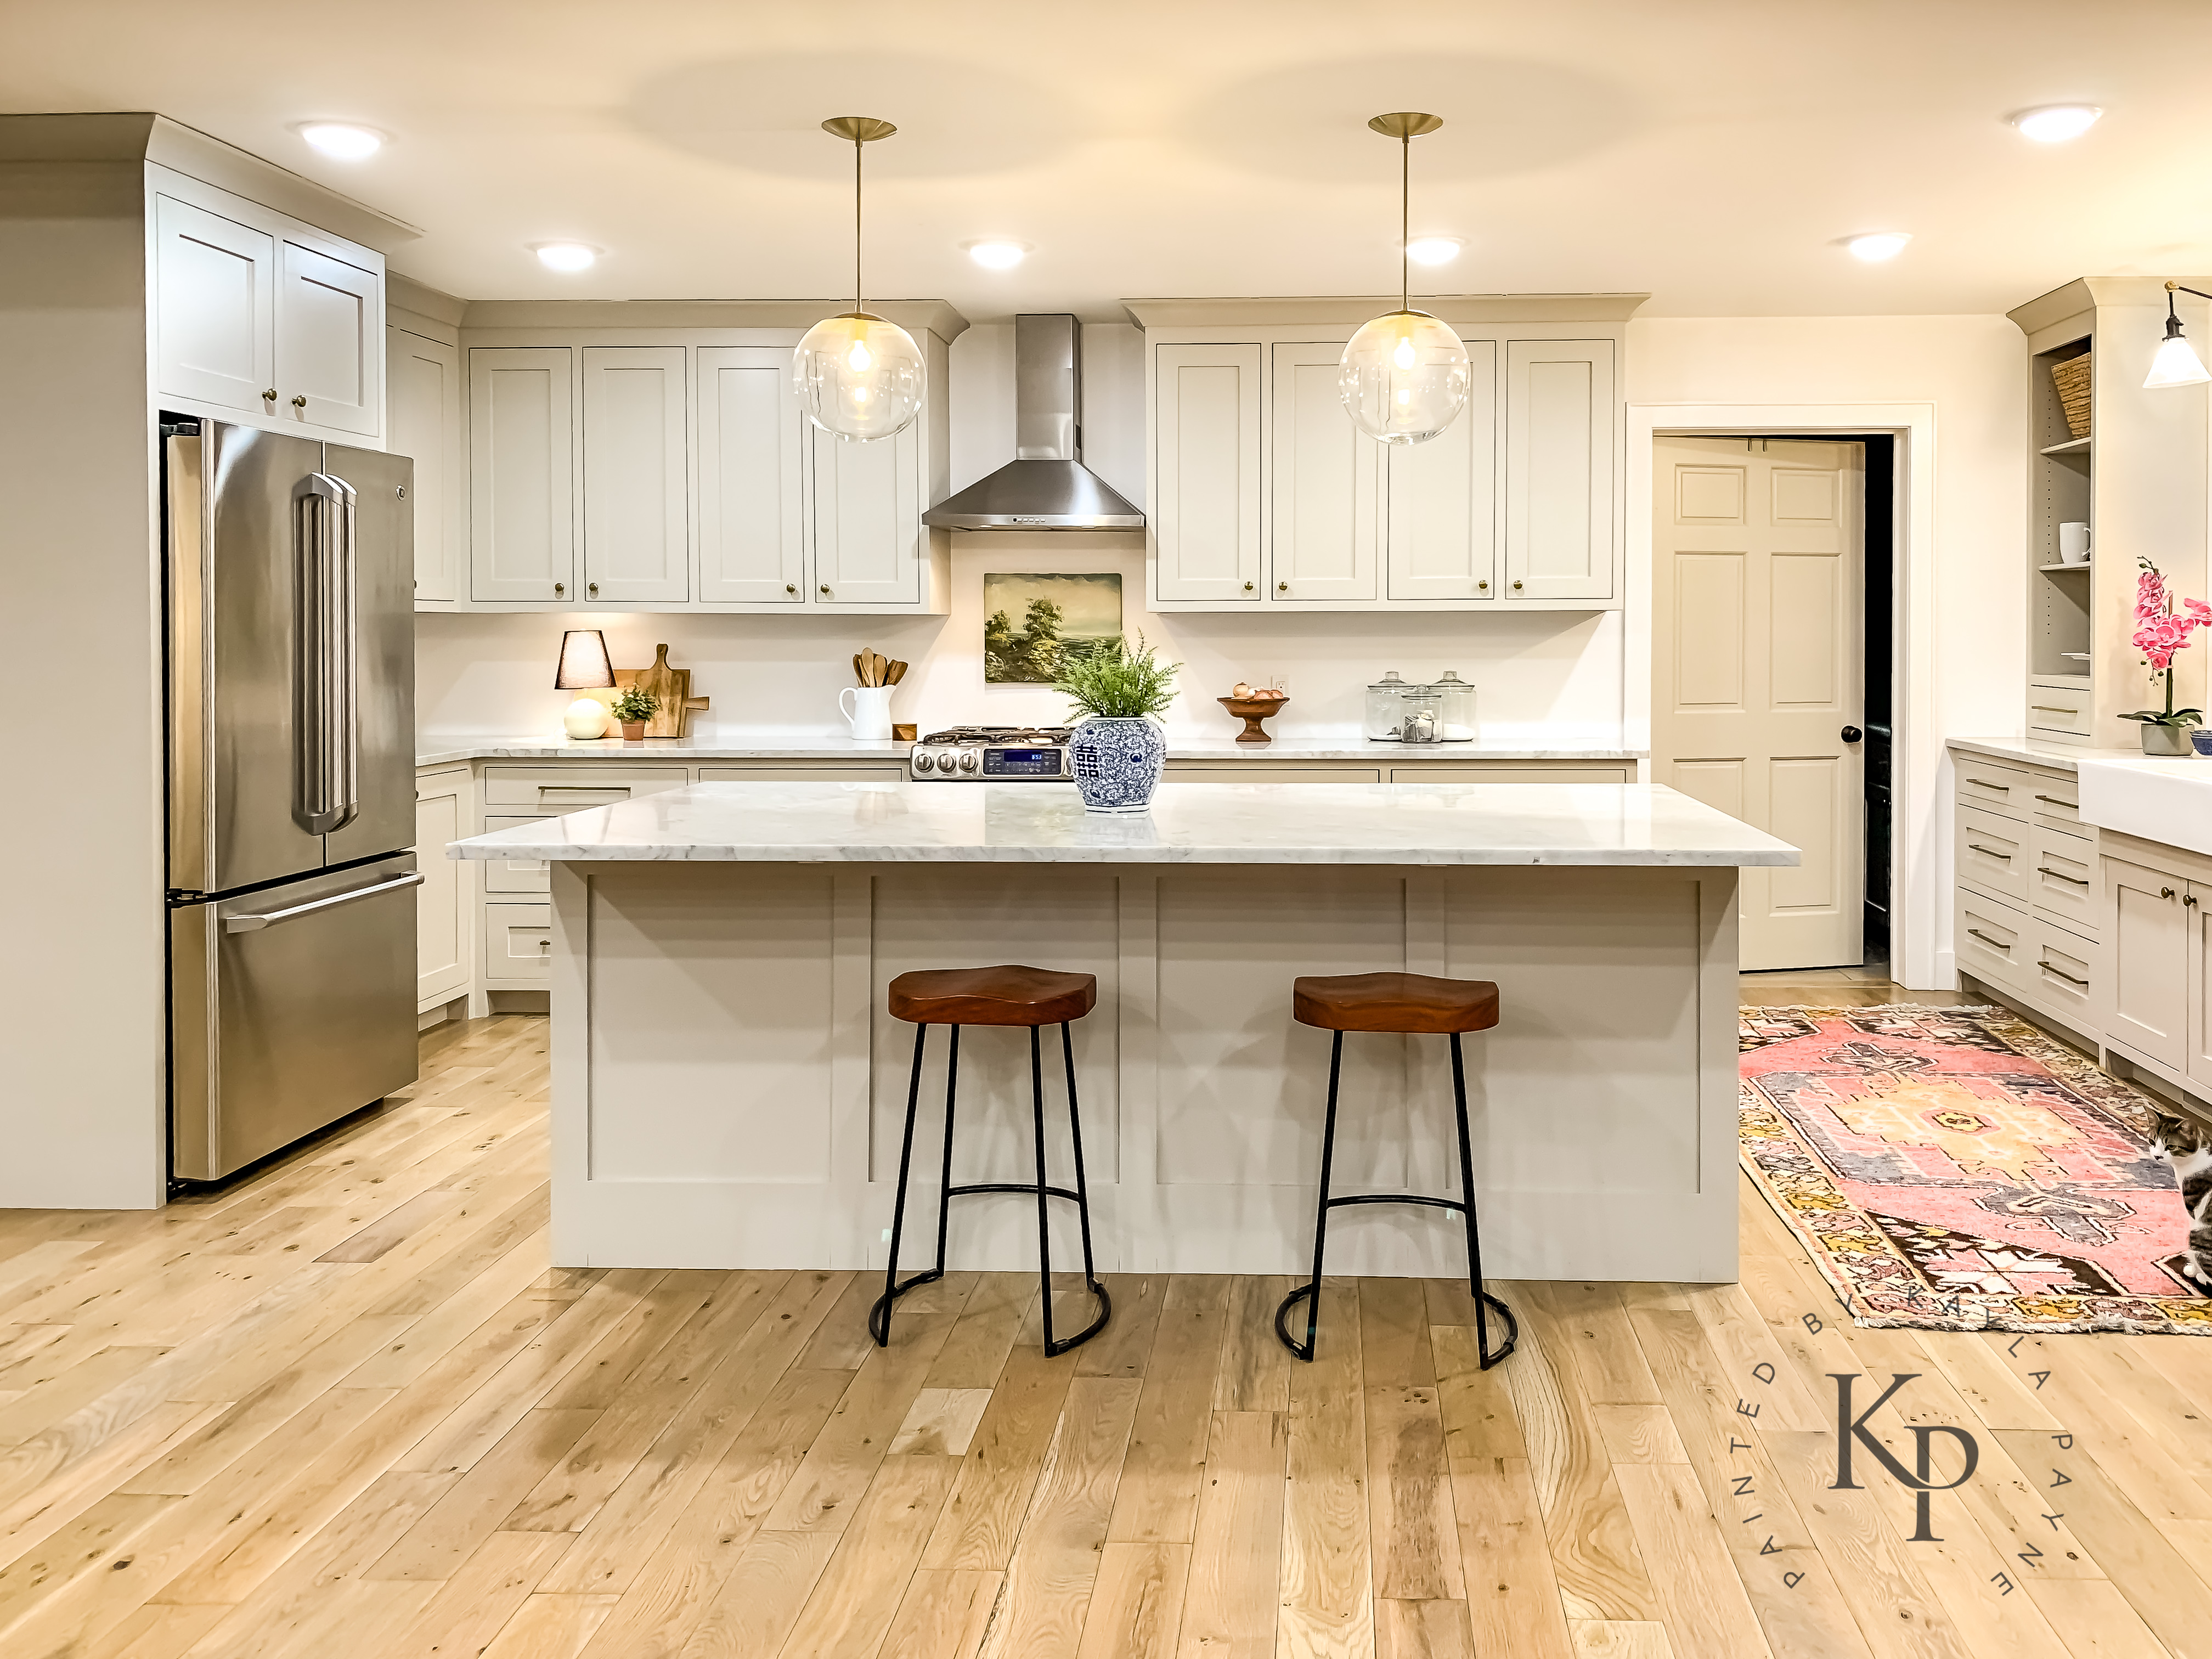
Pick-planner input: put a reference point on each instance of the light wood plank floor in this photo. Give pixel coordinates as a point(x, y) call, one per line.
point(345, 1409)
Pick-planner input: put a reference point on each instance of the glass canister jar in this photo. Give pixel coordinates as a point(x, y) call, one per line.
point(1420, 714)
point(1383, 714)
point(1456, 719)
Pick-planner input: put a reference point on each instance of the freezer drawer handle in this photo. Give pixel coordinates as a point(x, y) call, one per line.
point(326, 796)
point(255, 924)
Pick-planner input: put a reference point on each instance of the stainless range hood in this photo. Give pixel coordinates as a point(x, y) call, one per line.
point(1046, 486)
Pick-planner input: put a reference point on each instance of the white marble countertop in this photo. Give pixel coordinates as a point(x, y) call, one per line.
point(2059, 757)
point(442, 749)
point(1415, 824)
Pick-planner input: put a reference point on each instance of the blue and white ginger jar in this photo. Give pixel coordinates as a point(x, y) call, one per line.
point(1118, 763)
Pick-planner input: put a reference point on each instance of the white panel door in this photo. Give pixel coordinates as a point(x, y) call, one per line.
point(442, 910)
point(752, 474)
point(215, 308)
point(522, 528)
point(866, 525)
point(1757, 666)
point(425, 399)
point(1326, 532)
point(637, 541)
point(329, 342)
point(1559, 418)
point(1442, 513)
point(1205, 512)
point(2147, 930)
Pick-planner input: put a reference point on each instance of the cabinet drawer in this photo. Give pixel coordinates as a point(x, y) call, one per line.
point(517, 941)
point(2050, 709)
point(1989, 787)
point(1991, 941)
point(1473, 772)
point(572, 789)
point(2062, 878)
point(2056, 798)
point(2061, 970)
point(1260, 772)
point(881, 772)
point(1992, 853)
point(514, 875)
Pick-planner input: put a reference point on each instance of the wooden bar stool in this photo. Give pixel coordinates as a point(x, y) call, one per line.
point(1034, 997)
point(1414, 1005)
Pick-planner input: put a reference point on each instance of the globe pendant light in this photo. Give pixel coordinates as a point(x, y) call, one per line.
point(1404, 376)
point(858, 376)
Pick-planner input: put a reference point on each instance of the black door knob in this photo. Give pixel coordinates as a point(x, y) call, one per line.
point(1852, 734)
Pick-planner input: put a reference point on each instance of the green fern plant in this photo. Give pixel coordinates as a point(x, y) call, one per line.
point(1116, 683)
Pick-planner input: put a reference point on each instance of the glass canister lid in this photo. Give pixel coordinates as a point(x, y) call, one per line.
point(1389, 682)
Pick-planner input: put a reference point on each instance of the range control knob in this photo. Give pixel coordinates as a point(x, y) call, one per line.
point(970, 761)
point(924, 761)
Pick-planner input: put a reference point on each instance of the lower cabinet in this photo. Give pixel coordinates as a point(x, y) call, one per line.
point(2148, 926)
point(518, 945)
point(443, 952)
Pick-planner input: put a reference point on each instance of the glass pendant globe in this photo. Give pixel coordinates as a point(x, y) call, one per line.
point(858, 377)
point(1403, 378)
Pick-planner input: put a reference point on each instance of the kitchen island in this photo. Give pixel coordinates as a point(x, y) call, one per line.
point(728, 1089)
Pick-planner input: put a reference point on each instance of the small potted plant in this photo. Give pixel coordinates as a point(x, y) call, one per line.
point(1118, 749)
point(632, 707)
point(2160, 634)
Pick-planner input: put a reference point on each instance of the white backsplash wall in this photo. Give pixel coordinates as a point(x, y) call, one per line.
point(1541, 678)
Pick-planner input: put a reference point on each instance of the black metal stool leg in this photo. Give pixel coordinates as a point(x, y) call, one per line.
point(1311, 1291)
point(1044, 1220)
point(1483, 1300)
point(879, 1315)
point(1082, 1208)
point(944, 1190)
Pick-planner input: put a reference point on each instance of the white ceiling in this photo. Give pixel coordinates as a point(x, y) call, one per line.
point(1709, 151)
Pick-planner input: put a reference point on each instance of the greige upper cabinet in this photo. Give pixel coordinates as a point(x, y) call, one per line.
point(637, 542)
point(521, 494)
point(1205, 484)
point(751, 438)
point(864, 511)
point(329, 342)
point(215, 308)
point(1328, 507)
point(424, 402)
point(1443, 498)
point(1561, 412)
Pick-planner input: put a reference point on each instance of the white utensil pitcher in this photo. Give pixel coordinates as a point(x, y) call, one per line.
point(870, 716)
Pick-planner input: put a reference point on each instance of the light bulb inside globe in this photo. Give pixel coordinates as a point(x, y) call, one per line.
point(858, 377)
point(1403, 378)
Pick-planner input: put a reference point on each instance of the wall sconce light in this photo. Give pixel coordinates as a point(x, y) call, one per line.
point(2177, 362)
point(585, 666)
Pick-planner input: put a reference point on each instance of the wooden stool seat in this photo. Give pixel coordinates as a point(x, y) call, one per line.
point(1006, 995)
point(1413, 1004)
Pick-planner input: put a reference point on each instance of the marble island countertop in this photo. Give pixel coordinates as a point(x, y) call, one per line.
point(1419, 823)
point(444, 749)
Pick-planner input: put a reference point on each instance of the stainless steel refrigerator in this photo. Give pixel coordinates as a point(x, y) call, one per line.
point(291, 788)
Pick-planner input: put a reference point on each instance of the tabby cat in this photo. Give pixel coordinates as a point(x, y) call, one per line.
point(2187, 1145)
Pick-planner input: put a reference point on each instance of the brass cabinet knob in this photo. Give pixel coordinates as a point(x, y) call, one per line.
point(1248, 587)
point(1517, 587)
point(826, 587)
point(1482, 587)
point(791, 587)
point(591, 588)
point(299, 400)
point(560, 588)
point(1282, 587)
point(270, 396)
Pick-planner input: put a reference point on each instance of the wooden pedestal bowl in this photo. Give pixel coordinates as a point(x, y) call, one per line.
point(1252, 711)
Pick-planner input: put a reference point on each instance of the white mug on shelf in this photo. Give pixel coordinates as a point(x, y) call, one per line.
point(870, 716)
point(2074, 544)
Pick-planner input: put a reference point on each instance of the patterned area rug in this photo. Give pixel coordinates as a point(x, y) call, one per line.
point(1955, 1170)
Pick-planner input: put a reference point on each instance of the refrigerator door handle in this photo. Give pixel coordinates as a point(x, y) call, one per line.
point(255, 924)
point(326, 796)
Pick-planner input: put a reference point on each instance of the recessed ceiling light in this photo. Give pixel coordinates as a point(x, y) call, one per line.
point(997, 255)
point(1434, 250)
point(1878, 245)
point(2054, 124)
point(341, 140)
point(565, 256)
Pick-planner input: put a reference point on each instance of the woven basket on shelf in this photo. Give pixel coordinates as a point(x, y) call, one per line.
point(2072, 380)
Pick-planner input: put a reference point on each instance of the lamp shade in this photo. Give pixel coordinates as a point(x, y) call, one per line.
point(2176, 364)
point(584, 663)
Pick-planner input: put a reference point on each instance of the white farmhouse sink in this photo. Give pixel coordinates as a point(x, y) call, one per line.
point(2161, 800)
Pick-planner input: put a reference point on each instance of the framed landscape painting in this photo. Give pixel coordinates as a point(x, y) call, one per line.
point(1035, 625)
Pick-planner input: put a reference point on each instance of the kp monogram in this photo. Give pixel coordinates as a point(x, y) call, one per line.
point(1920, 1477)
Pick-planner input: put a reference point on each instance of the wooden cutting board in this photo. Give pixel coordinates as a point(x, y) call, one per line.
point(672, 686)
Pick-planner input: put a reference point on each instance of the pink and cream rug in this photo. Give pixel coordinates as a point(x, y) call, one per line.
point(1954, 1169)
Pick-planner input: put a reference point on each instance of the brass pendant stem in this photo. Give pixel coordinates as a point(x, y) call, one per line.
point(861, 129)
point(1405, 221)
point(857, 304)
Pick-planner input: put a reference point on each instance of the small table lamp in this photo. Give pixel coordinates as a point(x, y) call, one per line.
point(585, 666)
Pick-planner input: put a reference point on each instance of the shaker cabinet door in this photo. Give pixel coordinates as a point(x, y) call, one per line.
point(521, 499)
point(752, 473)
point(865, 516)
point(1560, 487)
point(443, 935)
point(1443, 498)
point(215, 308)
point(1205, 472)
point(2147, 931)
point(637, 543)
point(1326, 532)
point(329, 343)
point(424, 402)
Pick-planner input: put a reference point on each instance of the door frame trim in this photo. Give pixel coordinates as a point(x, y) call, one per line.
point(1920, 949)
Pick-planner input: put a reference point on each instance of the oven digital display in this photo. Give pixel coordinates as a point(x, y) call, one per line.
point(1021, 764)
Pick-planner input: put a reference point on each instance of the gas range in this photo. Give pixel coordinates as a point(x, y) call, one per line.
point(991, 754)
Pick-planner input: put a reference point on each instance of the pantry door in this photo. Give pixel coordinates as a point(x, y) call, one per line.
point(1758, 659)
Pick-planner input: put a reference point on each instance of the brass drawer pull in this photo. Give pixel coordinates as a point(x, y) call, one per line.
point(2054, 708)
point(2062, 974)
point(2045, 870)
point(1976, 847)
point(1997, 944)
point(1983, 783)
point(2075, 806)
